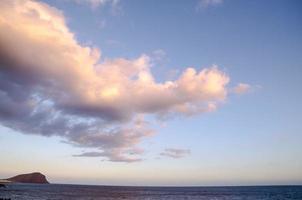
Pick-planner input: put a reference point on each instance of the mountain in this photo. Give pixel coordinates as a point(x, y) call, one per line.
point(35, 177)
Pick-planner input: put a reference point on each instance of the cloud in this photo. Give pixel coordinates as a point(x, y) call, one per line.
point(97, 3)
point(241, 88)
point(175, 153)
point(50, 84)
point(114, 5)
point(158, 55)
point(118, 144)
point(202, 4)
point(114, 156)
point(90, 154)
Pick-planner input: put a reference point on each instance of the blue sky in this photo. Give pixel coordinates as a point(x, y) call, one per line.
point(251, 138)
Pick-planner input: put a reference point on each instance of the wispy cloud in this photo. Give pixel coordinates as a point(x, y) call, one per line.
point(241, 88)
point(114, 43)
point(97, 3)
point(114, 156)
point(175, 153)
point(158, 54)
point(50, 84)
point(203, 4)
point(115, 6)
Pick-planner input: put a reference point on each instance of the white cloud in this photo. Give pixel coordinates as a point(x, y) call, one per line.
point(52, 85)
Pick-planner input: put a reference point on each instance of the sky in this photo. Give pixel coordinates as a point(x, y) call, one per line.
point(131, 92)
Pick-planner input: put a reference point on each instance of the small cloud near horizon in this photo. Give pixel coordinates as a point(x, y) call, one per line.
point(175, 153)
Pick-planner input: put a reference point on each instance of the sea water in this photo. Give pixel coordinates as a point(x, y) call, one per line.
point(84, 192)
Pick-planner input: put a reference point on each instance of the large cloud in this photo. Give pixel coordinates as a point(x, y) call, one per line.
point(52, 85)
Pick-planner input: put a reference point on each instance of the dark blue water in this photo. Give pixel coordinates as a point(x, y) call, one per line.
point(82, 192)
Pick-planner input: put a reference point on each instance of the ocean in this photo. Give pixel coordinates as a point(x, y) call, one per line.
point(84, 192)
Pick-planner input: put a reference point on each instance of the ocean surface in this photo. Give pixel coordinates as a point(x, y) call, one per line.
point(84, 192)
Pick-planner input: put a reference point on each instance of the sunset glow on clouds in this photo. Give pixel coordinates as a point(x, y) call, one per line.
point(53, 85)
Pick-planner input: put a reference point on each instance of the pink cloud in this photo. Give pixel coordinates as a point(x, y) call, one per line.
point(52, 85)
